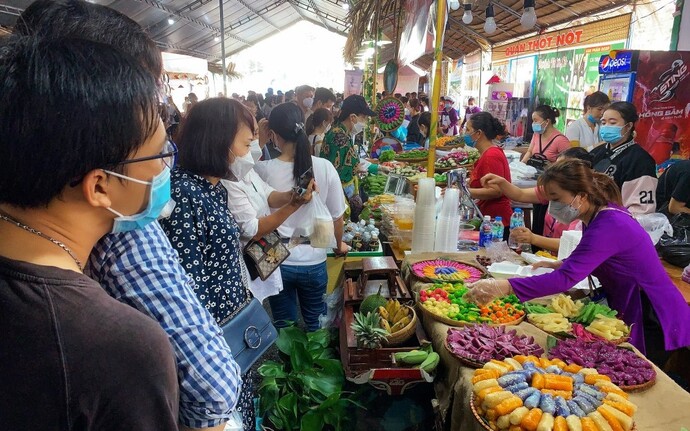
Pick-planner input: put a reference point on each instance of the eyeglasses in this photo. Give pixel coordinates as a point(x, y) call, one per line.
point(168, 154)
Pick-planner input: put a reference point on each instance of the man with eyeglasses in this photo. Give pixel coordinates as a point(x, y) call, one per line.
point(139, 267)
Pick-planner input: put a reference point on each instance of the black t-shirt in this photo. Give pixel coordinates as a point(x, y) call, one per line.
point(413, 133)
point(73, 358)
point(674, 183)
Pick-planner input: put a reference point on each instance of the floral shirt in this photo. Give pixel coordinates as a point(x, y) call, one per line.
point(207, 238)
point(338, 149)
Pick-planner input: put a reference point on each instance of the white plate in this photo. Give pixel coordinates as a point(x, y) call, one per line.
point(533, 258)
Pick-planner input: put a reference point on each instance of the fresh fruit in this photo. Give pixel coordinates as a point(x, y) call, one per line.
point(608, 328)
point(367, 330)
point(372, 302)
point(537, 308)
point(550, 322)
point(374, 185)
point(566, 306)
point(413, 357)
point(589, 312)
point(394, 316)
point(431, 362)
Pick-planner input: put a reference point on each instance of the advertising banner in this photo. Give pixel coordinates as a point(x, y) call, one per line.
point(554, 73)
point(662, 98)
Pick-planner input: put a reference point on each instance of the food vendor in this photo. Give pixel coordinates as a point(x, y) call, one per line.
point(481, 130)
point(614, 248)
point(584, 133)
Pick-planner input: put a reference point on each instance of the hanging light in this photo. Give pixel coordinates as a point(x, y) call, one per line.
point(171, 21)
point(490, 24)
point(454, 4)
point(217, 38)
point(467, 16)
point(529, 17)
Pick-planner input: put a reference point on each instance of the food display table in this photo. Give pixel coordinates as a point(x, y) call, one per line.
point(658, 406)
point(675, 273)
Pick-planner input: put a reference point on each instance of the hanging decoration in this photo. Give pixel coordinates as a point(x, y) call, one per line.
point(390, 114)
point(362, 16)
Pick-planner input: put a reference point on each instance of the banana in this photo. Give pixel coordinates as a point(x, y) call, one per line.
point(405, 321)
point(384, 313)
point(431, 362)
point(395, 307)
point(390, 307)
point(397, 326)
point(402, 312)
point(413, 357)
point(385, 325)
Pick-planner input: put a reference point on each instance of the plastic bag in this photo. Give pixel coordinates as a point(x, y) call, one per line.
point(500, 252)
point(686, 274)
point(334, 304)
point(656, 225)
point(323, 232)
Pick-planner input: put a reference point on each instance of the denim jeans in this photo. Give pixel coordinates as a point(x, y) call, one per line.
point(306, 283)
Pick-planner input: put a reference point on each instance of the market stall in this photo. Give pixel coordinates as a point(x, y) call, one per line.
point(657, 405)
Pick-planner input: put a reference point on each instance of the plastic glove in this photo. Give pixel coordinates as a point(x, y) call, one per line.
point(483, 292)
point(522, 235)
point(547, 264)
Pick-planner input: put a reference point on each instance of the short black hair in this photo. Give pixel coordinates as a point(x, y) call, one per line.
point(627, 111)
point(207, 134)
point(487, 123)
point(287, 120)
point(323, 95)
point(79, 19)
point(425, 119)
point(596, 99)
point(548, 113)
point(578, 153)
point(67, 107)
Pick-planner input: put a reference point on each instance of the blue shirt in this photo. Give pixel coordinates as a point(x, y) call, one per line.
point(141, 269)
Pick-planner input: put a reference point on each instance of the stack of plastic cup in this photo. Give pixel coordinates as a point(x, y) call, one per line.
point(448, 223)
point(424, 217)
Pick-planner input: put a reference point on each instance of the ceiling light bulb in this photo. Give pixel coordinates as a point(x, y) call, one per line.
point(217, 38)
point(467, 16)
point(454, 4)
point(490, 25)
point(171, 21)
point(528, 19)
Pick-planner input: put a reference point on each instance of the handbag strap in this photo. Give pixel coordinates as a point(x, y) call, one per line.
point(541, 151)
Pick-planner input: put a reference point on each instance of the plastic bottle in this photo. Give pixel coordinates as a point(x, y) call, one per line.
point(517, 220)
point(486, 232)
point(498, 229)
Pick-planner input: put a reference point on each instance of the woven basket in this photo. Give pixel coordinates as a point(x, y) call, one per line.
point(451, 322)
point(639, 388)
point(405, 333)
point(465, 361)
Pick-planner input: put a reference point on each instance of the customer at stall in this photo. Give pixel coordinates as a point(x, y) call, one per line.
point(323, 98)
point(413, 133)
point(470, 110)
point(201, 227)
point(553, 229)
point(424, 128)
point(139, 267)
point(339, 145)
point(449, 117)
point(81, 143)
point(304, 98)
point(318, 124)
point(584, 132)
point(629, 165)
point(673, 190)
point(615, 249)
point(482, 129)
point(304, 272)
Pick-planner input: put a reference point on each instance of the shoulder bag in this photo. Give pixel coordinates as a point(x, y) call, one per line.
point(539, 160)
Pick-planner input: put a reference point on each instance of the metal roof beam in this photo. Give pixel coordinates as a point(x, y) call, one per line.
point(192, 52)
point(311, 7)
point(565, 8)
point(250, 18)
point(469, 30)
point(260, 15)
point(158, 5)
point(514, 13)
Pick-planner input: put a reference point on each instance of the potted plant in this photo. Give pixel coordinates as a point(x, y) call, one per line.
point(305, 390)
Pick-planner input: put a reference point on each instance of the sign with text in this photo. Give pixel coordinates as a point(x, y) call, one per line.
point(588, 34)
point(617, 62)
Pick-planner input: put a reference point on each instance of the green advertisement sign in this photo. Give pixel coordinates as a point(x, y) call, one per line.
point(554, 76)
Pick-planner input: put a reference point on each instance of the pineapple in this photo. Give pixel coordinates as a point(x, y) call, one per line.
point(368, 331)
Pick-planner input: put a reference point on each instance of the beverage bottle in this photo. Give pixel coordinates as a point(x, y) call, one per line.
point(486, 232)
point(517, 220)
point(498, 229)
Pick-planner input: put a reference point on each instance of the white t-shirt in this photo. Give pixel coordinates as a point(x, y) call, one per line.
point(580, 131)
point(316, 141)
point(278, 174)
point(248, 202)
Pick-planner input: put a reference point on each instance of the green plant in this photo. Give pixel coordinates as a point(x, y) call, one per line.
point(368, 331)
point(305, 391)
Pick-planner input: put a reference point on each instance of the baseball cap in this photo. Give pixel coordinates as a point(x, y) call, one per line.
point(356, 104)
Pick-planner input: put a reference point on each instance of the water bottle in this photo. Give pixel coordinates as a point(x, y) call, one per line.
point(498, 229)
point(517, 220)
point(486, 232)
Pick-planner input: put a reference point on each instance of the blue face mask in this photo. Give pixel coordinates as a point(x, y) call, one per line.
point(611, 134)
point(591, 119)
point(537, 128)
point(468, 140)
point(160, 204)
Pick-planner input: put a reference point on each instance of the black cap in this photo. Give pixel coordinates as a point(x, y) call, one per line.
point(356, 105)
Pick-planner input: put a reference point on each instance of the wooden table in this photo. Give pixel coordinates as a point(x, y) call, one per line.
point(675, 273)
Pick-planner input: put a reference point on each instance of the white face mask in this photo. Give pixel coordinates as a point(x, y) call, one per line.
point(308, 102)
point(241, 166)
point(255, 150)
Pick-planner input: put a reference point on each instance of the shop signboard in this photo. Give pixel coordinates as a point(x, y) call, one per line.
point(617, 62)
point(662, 98)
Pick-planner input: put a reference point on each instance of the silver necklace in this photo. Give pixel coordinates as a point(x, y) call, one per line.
point(6, 217)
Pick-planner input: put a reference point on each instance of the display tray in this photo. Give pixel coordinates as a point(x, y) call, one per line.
point(485, 424)
point(370, 253)
point(639, 388)
point(412, 160)
point(564, 335)
point(464, 361)
point(471, 274)
point(467, 167)
point(459, 323)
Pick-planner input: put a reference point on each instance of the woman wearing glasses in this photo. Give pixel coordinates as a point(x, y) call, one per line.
point(215, 134)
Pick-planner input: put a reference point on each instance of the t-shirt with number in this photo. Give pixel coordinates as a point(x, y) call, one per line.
point(674, 183)
point(634, 172)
